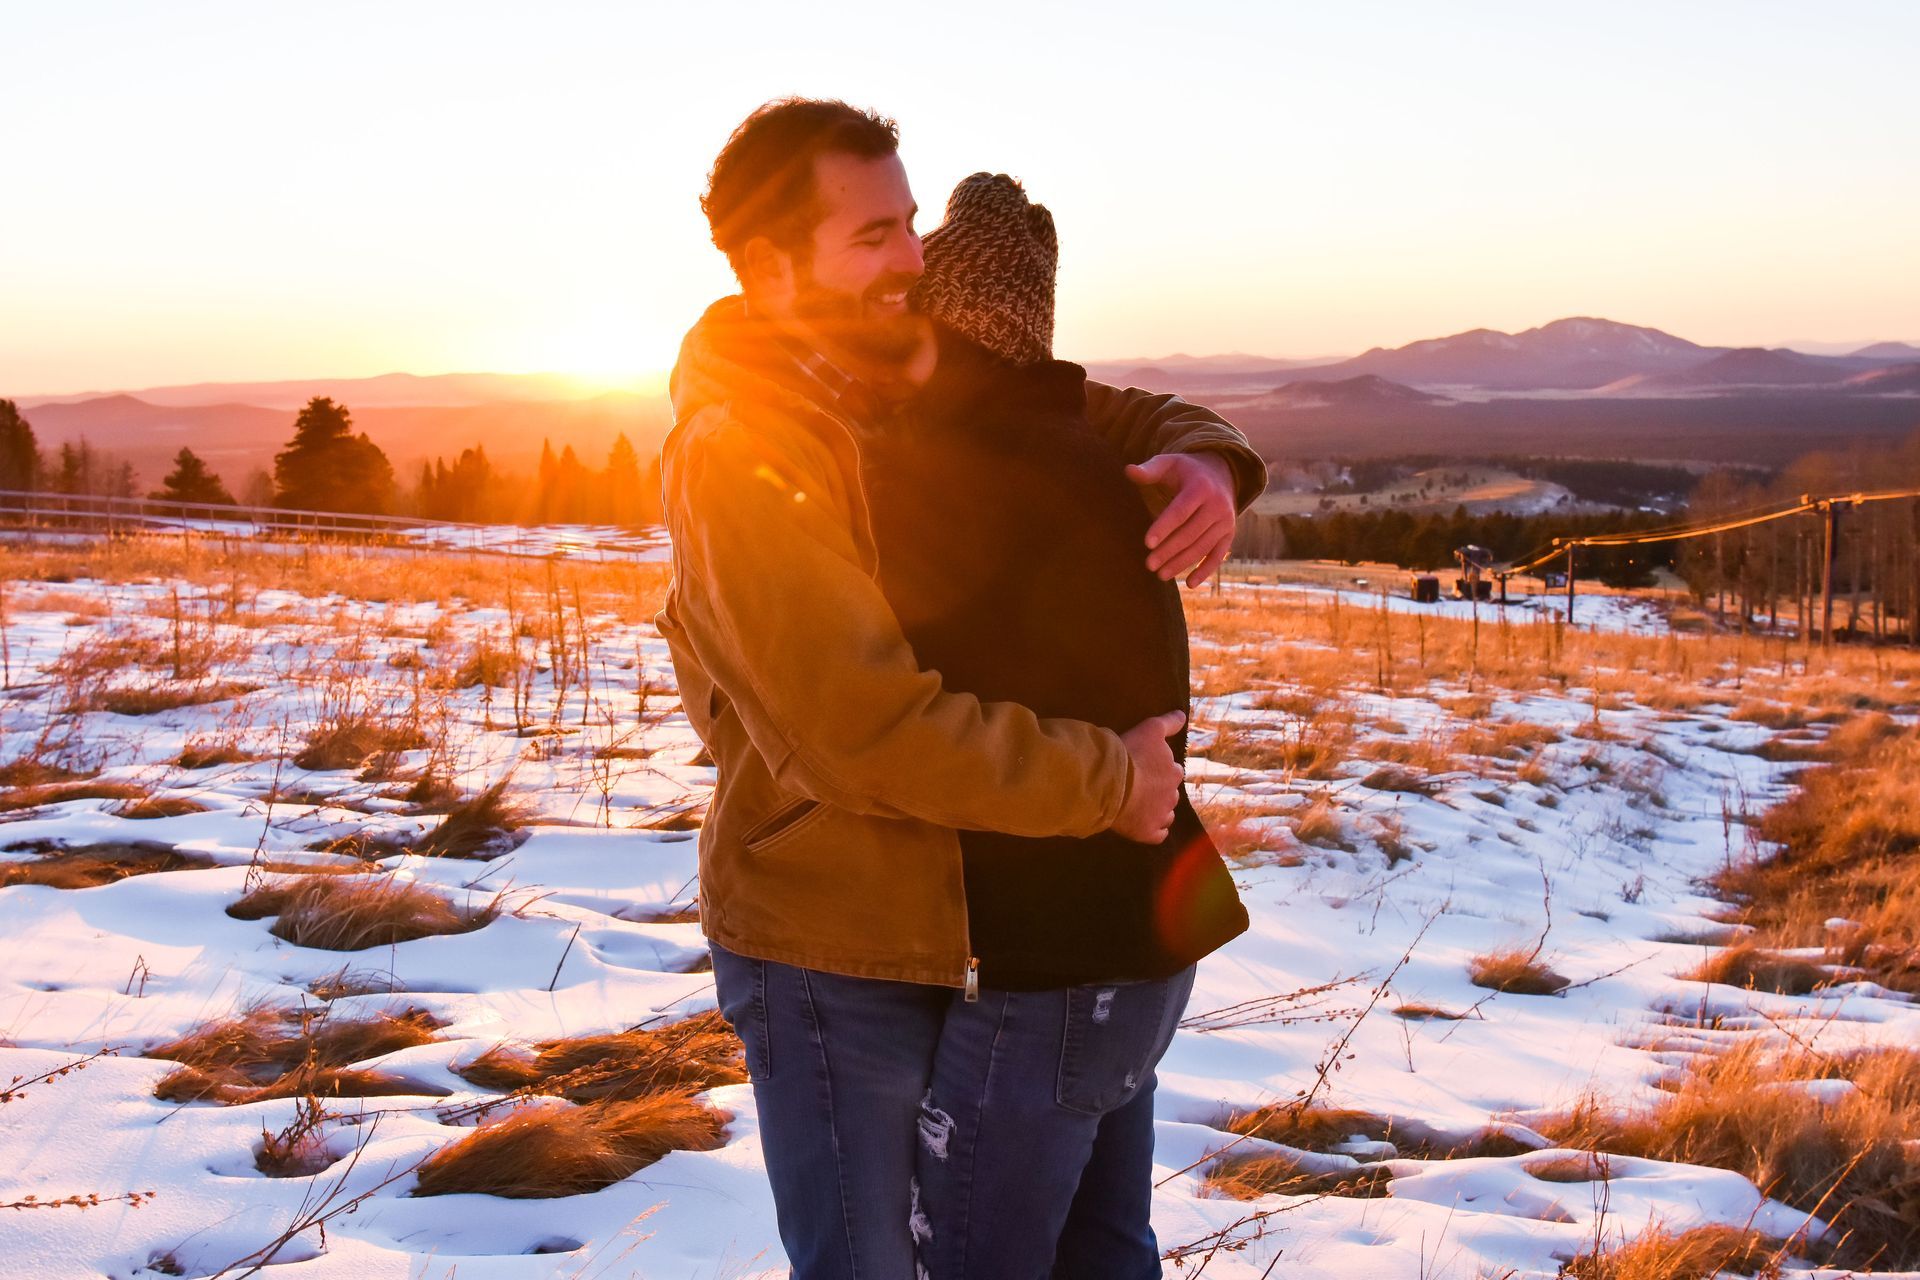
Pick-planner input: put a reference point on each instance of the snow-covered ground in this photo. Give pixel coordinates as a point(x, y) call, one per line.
point(1595, 855)
point(1594, 611)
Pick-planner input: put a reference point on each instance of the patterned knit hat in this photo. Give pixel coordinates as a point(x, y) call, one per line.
point(990, 268)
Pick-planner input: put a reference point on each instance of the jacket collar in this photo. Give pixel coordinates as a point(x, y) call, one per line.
point(731, 355)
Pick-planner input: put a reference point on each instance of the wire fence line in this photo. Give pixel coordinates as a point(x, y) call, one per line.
point(33, 514)
point(1828, 507)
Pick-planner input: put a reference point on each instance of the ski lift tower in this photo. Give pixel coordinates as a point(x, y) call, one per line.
point(1474, 561)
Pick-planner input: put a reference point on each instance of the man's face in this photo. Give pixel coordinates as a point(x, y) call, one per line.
point(850, 284)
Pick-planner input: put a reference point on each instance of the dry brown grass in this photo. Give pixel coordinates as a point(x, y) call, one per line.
point(563, 1149)
point(1419, 1011)
point(1347, 647)
point(1324, 1128)
point(1313, 748)
point(1516, 971)
point(1248, 1177)
point(159, 807)
point(152, 699)
point(208, 753)
point(695, 1053)
point(267, 1053)
point(1848, 847)
point(488, 664)
point(36, 797)
point(1755, 969)
point(354, 912)
point(632, 592)
point(1235, 829)
point(34, 769)
point(1428, 753)
point(1699, 1254)
point(349, 741)
point(1853, 1159)
point(1319, 822)
point(90, 865)
point(480, 826)
point(1505, 739)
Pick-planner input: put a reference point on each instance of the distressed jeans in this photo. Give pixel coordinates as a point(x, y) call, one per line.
point(1036, 1152)
point(839, 1067)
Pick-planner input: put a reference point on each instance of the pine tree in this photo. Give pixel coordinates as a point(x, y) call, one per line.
point(77, 468)
point(326, 467)
point(19, 451)
point(190, 481)
point(624, 495)
point(547, 496)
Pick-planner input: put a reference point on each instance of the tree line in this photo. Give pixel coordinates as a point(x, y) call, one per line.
point(1774, 571)
point(328, 466)
point(1427, 541)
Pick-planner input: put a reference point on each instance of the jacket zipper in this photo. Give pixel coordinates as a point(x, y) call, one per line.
point(970, 981)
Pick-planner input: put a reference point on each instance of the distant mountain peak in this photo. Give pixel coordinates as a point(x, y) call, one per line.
point(1887, 351)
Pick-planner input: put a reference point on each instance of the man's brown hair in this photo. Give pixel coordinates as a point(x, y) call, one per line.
point(762, 180)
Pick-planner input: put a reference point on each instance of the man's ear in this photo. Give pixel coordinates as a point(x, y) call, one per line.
point(766, 269)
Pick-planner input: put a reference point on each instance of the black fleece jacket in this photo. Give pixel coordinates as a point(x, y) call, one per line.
point(1012, 548)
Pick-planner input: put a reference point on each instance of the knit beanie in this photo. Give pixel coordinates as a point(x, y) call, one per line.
point(990, 268)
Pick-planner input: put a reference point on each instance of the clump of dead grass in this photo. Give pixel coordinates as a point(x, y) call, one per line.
point(1248, 1177)
point(561, 1149)
point(1319, 823)
point(151, 806)
point(265, 1053)
point(1515, 971)
point(484, 825)
point(1845, 845)
point(349, 741)
point(36, 797)
point(695, 1053)
point(354, 912)
point(1313, 748)
point(1753, 968)
point(1851, 1157)
point(88, 866)
point(152, 699)
point(1323, 1131)
point(207, 753)
point(1703, 1252)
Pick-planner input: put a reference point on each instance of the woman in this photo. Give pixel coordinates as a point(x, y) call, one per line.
point(1009, 545)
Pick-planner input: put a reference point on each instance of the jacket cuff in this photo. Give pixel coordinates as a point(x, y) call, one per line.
point(1249, 469)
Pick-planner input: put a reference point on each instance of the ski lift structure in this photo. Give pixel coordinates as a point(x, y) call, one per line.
point(1476, 575)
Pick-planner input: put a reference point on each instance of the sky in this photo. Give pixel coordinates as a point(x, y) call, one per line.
point(217, 192)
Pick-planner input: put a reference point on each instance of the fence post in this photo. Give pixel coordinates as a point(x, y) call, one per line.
point(1832, 512)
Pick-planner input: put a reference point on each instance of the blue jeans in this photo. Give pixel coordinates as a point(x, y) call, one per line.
point(1036, 1154)
point(839, 1066)
point(886, 1109)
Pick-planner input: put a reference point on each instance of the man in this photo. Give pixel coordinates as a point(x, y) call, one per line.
point(830, 864)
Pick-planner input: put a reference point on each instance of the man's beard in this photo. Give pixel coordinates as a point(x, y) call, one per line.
point(847, 321)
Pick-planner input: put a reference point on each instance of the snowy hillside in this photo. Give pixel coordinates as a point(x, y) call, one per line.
point(1404, 811)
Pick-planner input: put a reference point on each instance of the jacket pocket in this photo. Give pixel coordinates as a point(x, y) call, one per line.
point(783, 821)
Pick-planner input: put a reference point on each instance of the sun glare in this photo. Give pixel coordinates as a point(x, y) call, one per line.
point(613, 347)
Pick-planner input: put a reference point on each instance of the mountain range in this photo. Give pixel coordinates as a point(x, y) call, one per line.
point(1577, 354)
point(1578, 386)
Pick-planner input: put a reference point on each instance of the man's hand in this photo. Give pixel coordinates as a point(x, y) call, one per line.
point(1147, 816)
point(1195, 530)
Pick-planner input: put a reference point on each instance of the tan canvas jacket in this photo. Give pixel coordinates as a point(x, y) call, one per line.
point(844, 769)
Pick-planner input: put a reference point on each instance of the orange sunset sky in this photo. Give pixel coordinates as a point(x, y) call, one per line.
point(202, 191)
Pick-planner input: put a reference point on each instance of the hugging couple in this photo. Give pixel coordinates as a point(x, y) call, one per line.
point(923, 617)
